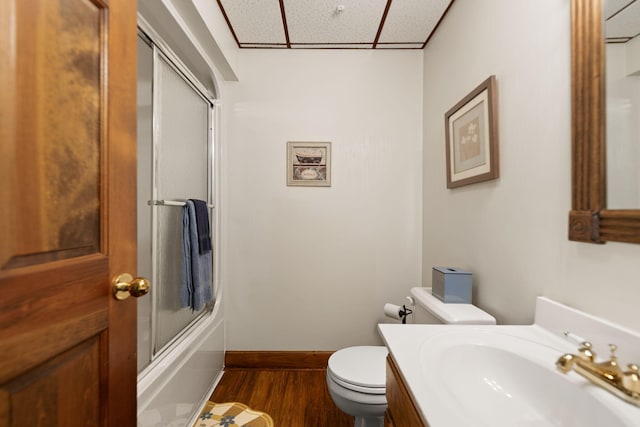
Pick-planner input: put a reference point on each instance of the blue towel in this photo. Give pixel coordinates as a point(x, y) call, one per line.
point(202, 220)
point(196, 290)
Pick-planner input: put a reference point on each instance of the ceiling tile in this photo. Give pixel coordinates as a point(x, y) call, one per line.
point(255, 21)
point(319, 21)
point(332, 46)
point(263, 45)
point(399, 45)
point(412, 20)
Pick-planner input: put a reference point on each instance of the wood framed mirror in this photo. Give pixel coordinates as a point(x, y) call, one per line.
point(589, 219)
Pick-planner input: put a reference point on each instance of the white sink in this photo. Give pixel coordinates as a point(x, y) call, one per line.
point(494, 379)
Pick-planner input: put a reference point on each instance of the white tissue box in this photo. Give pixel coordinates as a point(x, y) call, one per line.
point(451, 285)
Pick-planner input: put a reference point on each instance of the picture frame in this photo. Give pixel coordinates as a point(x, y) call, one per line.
point(309, 164)
point(471, 131)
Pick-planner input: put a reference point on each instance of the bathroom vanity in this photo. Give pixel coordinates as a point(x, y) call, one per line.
point(402, 410)
point(501, 376)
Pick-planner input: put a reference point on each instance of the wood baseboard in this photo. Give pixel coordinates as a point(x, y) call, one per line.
point(311, 360)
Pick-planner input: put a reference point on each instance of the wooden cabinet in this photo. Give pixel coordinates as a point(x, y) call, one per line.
point(401, 410)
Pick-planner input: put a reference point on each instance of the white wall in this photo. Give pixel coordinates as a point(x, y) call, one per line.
point(310, 268)
point(512, 232)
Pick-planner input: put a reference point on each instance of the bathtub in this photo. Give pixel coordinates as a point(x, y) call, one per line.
point(173, 388)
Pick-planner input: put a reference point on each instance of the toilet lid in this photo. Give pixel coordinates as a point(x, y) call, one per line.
point(362, 366)
point(451, 314)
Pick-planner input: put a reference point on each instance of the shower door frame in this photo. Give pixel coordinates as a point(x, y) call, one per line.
point(175, 385)
point(161, 52)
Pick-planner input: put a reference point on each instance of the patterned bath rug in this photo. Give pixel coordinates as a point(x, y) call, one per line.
point(231, 414)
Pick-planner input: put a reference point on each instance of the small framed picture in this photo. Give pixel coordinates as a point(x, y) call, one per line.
point(309, 164)
point(472, 137)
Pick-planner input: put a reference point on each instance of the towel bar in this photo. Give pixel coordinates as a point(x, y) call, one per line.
point(171, 203)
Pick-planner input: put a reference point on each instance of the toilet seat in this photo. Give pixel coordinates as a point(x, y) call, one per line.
point(361, 369)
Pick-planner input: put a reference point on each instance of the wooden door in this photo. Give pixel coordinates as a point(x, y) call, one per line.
point(67, 212)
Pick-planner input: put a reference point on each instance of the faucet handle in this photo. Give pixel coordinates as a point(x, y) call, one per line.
point(631, 379)
point(610, 368)
point(586, 351)
point(613, 359)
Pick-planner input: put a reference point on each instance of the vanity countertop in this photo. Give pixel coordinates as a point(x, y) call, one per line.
point(442, 394)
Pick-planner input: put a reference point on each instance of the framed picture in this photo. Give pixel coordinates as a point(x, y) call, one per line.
point(472, 137)
point(309, 164)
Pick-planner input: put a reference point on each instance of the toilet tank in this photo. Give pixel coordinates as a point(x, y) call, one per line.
point(430, 310)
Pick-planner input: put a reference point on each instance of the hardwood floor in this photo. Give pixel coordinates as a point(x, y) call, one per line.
point(293, 397)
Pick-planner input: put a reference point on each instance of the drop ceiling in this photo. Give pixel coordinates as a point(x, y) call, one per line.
point(333, 24)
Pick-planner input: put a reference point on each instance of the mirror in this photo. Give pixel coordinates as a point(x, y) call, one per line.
point(622, 89)
point(589, 219)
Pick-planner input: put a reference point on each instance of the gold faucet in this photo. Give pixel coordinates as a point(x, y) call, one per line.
point(607, 374)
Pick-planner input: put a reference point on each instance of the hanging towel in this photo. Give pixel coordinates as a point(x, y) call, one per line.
point(202, 220)
point(195, 291)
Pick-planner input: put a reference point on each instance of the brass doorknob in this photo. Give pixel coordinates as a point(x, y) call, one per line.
point(125, 285)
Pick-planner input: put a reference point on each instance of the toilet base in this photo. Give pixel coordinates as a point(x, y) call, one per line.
point(369, 422)
point(367, 410)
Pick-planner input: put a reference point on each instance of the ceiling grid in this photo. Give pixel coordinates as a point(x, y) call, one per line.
point(333, 24)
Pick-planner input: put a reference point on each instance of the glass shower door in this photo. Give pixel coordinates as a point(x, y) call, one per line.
point(174, 164)
point(181, 172)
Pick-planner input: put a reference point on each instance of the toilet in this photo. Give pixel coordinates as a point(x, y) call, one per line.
point(356, 376)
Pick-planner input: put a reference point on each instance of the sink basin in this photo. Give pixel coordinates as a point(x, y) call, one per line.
point(505, 375)
point(485, 378)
